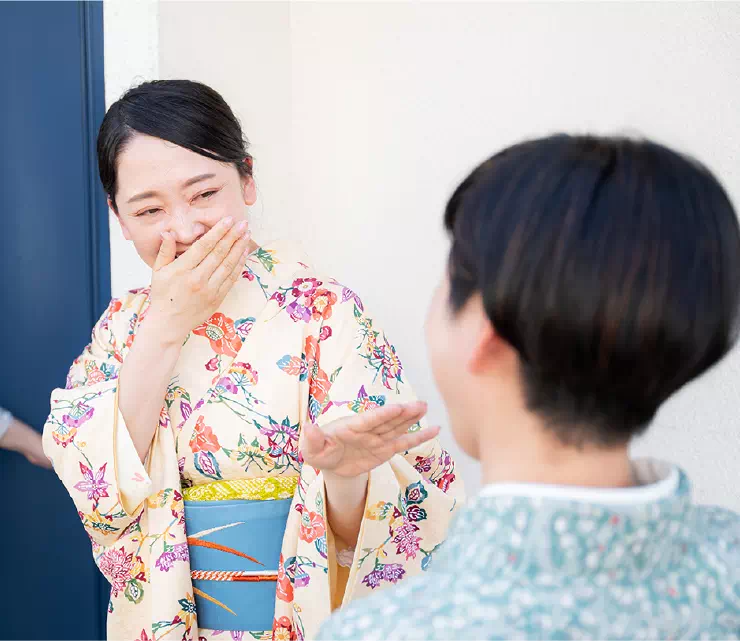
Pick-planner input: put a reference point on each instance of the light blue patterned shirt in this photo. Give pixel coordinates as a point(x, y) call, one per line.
point(640, 563)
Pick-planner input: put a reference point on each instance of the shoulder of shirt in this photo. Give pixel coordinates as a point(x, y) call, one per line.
point(412, 595)
point(719, 528)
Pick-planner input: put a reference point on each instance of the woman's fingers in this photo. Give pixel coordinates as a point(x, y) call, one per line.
point(403, 422)
point(411, 440)
point(233, 277)
point(233, 263)
point(203, 247)
point(167, 251)
point(313, 440)
point(220, 253)
point(383, 419)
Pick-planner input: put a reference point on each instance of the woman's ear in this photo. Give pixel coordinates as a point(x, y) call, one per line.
point(249, 191)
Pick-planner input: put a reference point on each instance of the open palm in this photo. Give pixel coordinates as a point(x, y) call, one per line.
point(356, 444)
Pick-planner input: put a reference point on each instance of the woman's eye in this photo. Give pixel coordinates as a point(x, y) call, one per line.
point(207, 194)
point(149, 212)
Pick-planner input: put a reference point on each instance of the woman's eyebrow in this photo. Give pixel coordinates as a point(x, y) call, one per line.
point(190, 181)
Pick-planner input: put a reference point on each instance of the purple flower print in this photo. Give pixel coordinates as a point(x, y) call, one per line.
point(373, 579)
point(298, 312)
point(393, 572)
point(94, 484)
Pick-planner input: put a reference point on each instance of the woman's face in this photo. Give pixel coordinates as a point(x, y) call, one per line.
point(163, 187)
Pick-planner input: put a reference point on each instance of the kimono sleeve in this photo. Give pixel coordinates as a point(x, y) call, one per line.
point(86, 438)
point(353, 368)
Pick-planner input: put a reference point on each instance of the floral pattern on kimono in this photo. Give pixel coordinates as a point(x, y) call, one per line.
point(286, 346)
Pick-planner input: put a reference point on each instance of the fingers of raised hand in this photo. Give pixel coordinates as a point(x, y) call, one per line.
point(231, 267)
point(205, 245)
point(388, 418)
point(221, 252)
point(410, 440)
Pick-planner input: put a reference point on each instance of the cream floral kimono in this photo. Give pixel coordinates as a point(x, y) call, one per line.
point(286, 346)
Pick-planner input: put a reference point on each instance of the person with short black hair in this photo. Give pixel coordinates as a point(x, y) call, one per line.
point(589, 279)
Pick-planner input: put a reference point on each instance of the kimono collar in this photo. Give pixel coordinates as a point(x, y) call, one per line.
point(512, 531)
point(272, 264)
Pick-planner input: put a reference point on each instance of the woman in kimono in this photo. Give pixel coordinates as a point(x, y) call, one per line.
point(238, 438)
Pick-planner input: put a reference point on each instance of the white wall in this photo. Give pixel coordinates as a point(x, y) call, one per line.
point(364, 116)
point(131, 35)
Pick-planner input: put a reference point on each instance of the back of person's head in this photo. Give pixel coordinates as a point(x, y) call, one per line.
point(611, 266)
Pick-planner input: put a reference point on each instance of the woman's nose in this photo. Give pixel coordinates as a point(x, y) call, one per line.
point(186, 227)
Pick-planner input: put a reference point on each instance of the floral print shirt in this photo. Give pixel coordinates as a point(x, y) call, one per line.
point(523, 564)
point(286, 346)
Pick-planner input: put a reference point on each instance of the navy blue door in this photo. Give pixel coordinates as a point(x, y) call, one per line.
point(54, 283)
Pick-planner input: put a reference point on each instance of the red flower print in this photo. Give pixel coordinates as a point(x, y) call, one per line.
point(94, 484)
point(305, 287)
point(203, 439)
point(279, 298)
point(212, 365)
point(319, 386)
point(319, 383)
point(312, 527)
point(284, 586)
point(325, 333)
point(282, 630)
point(219, 329)
point(321, 304)
point(423, 464)
point(444, 482)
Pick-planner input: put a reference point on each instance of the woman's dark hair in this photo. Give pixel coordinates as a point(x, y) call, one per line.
point(186, 113)
point(612, 267)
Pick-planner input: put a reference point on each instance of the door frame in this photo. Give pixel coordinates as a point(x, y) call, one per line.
point(96, 205)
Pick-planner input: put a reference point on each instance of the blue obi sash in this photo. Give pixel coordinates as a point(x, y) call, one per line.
point(234, 554)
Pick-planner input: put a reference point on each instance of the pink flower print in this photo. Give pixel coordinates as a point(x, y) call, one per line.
point(279, 298)
point(79, 415)
point(305, 287)
point(325, 333)
point(406, 540)
point(228, 385)
point(116, 565)
point(94, 484)
point(212, 365)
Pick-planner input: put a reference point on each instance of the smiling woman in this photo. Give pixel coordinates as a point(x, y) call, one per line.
point(241, 397)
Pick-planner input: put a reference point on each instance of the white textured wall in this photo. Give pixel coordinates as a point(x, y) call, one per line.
point(366, 115)
point(131, 33)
